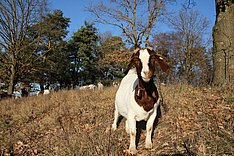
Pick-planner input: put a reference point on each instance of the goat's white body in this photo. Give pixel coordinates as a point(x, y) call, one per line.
point(100, 86)
point(92, 86)
point(125, 101)
point(126, 106)
point(46, 91)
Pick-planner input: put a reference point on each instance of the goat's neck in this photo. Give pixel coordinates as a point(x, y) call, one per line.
point(146, 94)
point(144, 85)
point(147, 87)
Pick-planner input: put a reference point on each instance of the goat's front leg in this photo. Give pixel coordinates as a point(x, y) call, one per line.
point(132, 129)
point(149, 129)
point(126, 126)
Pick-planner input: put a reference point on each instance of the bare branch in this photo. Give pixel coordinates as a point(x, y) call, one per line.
point(189, 4)
point(16, 16)
point(135, 18)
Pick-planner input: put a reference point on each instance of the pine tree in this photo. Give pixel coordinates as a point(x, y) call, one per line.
point(52, 31)
point(84, 54)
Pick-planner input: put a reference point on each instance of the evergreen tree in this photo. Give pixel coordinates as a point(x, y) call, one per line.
point(84, 54)
point(52, 31)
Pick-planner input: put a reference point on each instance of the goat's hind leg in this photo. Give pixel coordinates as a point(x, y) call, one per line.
point(116, 118)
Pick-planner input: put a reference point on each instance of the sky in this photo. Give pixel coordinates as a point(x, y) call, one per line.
point(75, 10)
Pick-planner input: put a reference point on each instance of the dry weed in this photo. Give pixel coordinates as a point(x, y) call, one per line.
point(198, 121)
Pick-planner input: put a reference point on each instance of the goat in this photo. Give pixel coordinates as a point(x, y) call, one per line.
point(47, 89)
point(137, 97)
point(100, 86)
point(91, 87)
point(44, 89)
point(83, 87)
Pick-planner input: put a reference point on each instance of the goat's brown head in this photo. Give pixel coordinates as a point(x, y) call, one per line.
point(145, 60)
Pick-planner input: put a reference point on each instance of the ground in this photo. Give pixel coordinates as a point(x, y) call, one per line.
point(193, 121)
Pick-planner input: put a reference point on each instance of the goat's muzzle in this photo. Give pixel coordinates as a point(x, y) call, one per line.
point(147, 75)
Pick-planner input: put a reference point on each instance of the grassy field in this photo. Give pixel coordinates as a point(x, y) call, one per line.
point(193, 121)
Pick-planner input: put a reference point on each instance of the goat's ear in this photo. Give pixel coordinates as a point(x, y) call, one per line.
point(130, 65)
point(135, 53)
point(136, 50)
point(162, 63)
point(132, 61)
point(149, 48)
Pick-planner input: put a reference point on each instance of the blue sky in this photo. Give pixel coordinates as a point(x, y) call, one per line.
point(75, 9)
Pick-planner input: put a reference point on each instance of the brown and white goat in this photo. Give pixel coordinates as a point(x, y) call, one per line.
point(137, 97)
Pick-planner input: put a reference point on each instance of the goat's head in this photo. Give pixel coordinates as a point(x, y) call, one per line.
point(145, 60)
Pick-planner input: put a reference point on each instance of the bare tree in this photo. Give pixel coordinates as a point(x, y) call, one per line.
point(136, 18)
point(16, 16)
point(188, 4)
point(188, 42)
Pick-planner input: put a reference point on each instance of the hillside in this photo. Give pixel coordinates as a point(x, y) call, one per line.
point(194, 121)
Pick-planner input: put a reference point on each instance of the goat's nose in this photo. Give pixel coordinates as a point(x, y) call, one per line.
point(146, 73)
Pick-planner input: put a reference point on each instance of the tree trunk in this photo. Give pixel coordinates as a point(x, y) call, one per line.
point(11, 81)
point(223, 38)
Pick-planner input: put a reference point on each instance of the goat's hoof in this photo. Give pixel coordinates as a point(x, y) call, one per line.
point(127, 130)
point(114, 127)
point(148, 145)
point(131, 151)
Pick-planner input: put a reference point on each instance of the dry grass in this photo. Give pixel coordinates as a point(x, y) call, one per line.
point(198, 121)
